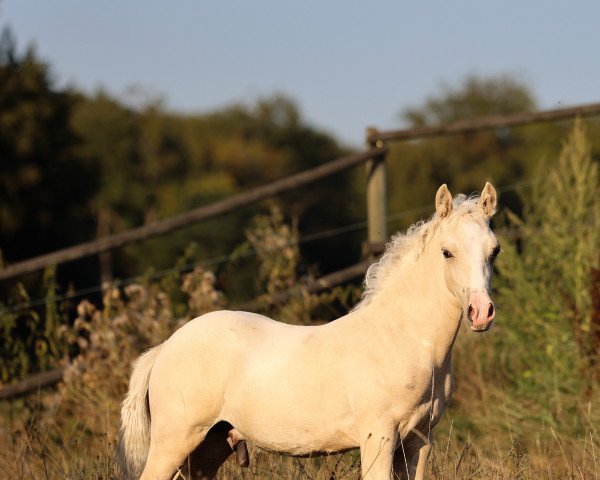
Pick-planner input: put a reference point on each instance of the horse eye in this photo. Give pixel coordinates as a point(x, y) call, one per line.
point(446, 253)
point(495, 253)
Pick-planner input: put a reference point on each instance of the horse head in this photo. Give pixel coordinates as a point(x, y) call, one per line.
point(467, 251)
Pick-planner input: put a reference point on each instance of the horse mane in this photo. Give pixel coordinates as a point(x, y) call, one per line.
point(416, 237)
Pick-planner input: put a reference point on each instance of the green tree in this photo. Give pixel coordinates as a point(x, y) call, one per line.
point(475, 97)
point(154, 164)
point(466, 161)
point(44, 189)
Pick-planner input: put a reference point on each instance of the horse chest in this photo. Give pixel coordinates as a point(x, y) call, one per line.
point(427, 406)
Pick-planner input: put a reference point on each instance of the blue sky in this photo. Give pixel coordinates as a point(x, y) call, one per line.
point(347, 64)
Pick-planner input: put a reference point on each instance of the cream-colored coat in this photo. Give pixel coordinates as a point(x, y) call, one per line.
point(377, 379)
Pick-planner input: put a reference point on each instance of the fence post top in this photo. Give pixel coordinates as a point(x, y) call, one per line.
point(372, 137)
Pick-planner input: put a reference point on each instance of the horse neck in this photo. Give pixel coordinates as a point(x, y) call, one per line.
point(414, 304)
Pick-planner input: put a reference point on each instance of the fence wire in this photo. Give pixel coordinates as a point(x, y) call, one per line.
point(230, 258)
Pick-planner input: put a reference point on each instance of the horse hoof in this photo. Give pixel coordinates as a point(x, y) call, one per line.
point(241, 454)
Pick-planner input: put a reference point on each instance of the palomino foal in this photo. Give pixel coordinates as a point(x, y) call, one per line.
point(377, 379)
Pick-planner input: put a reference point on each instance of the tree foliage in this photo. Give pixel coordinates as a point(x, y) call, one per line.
point(44, 189)
point(475, 97)
point(154, 164)
point(75, 167)
point(504, 156)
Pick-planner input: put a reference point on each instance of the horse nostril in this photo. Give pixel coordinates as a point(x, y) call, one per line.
point(491, 310)
point(470, 312)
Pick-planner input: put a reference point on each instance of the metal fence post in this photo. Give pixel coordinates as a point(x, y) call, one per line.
point(376, 197)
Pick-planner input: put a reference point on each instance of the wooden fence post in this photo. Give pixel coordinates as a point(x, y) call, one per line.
point(376, 198)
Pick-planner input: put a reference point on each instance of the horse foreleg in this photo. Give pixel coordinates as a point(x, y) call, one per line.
point(421, 461)
point(376, 454)
point(413, 466)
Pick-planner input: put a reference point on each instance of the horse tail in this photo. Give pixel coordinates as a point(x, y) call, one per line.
point(134, 435)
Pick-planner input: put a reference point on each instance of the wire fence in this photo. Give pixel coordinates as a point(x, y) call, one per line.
point(375, 156)
point(376, 153)
point(230, 258)
point(199, 214)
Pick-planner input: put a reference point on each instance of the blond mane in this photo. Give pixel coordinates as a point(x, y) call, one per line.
point(416, 237)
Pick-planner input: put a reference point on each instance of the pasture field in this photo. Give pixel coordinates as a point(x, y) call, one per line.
point(527, 398)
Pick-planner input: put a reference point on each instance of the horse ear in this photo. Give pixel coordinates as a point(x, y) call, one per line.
point(488, 200)
point(443, 201)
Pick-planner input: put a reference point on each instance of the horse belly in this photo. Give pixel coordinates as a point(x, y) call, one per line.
point(280, 406)
point(299, 438)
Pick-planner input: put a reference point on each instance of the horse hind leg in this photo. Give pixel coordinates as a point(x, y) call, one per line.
point(171, 442)
point(166, 456)
point(199, 458)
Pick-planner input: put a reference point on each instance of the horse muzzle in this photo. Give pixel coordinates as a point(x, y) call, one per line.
point(481, 311)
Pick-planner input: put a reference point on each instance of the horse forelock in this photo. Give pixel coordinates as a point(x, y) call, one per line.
point(415, 238)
